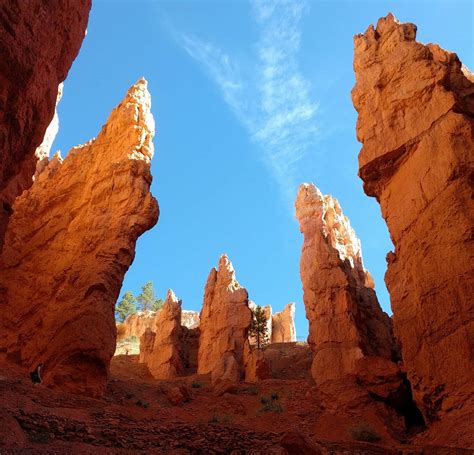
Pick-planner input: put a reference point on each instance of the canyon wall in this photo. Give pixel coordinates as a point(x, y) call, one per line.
point(225, 321)
point(69, 242)
point(346, 323)
point(415, 107)
point(39, 39)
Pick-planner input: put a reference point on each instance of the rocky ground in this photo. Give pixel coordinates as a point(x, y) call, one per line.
point(140, 414)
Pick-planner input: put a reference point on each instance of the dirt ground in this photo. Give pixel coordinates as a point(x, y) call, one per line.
point(140, 414)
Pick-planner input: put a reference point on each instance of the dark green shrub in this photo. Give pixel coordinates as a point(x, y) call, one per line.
point(364, 432)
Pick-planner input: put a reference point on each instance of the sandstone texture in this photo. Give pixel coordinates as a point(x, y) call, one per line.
point(283, 325)
point(165, 361)
point(225, 321)
point(39, 39)
point(69, 242)
point(416, 105)
point(147, 345)
point(346, 322)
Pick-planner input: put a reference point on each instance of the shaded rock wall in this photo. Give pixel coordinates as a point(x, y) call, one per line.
point(225, 321)
point(39, 39)
point(416, 105)
point(69, 242)
point(283, 325)
point(346, 322)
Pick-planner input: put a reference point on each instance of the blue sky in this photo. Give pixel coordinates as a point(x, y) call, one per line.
point(250, 99)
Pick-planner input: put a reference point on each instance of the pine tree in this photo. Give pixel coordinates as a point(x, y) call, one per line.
point(148, 300)
point(157, 305)
point(126, 306)
point(258, 327)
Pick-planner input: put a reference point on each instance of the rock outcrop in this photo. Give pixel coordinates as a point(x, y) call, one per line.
point(283, 325)
point(165, 359)
point(416, 106)
point(190, 319)
point(69, 242)
point(39, 39)
point(136, 324)
point(346, 322)
point(225, 321)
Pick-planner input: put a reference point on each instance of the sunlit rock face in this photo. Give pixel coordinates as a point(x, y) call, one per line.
point(136, 324)
point(165, 359)
point(225, 321)
point(39, 39)
point(346, 322)
point(69, 242)
point(283, 325)
point(416, 105)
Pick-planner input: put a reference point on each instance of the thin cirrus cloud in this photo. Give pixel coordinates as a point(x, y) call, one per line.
point(268, 94)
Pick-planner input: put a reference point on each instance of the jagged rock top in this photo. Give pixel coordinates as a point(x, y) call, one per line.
point(402, 88)
point(324, 210)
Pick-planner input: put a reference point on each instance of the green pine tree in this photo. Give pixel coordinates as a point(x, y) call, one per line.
point(126, 306)
point(157, 305)
point(258, 327)
point(147, 300)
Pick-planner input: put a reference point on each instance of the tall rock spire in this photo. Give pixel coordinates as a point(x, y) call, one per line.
point(416, 107)
point(346, 322)
point(72, 238)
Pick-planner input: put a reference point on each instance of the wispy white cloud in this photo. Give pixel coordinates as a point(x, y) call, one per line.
point(272, 98)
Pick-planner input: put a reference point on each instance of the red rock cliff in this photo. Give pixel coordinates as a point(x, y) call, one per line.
point(416, 106)
point(346, 323)
point(39, 39)
point(69, 242)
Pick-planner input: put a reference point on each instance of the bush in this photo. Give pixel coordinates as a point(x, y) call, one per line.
point(142, 404)
point(364, 432)
point(224, 418)
point(271, 403)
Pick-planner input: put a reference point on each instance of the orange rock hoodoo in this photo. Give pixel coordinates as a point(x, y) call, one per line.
point(165, 359)
point(225, 321)
point(283, 325)
point(72, 238)
point(346, 323)
point(416, 105)
point(39, 39)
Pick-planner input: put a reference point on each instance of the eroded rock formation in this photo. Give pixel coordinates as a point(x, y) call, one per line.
point(69, 242)
point(283, 325)
point(225, 321)
point(136, 324)
point(39, 39)
point(416, 105)
point(165, 360)
point(346, 322)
